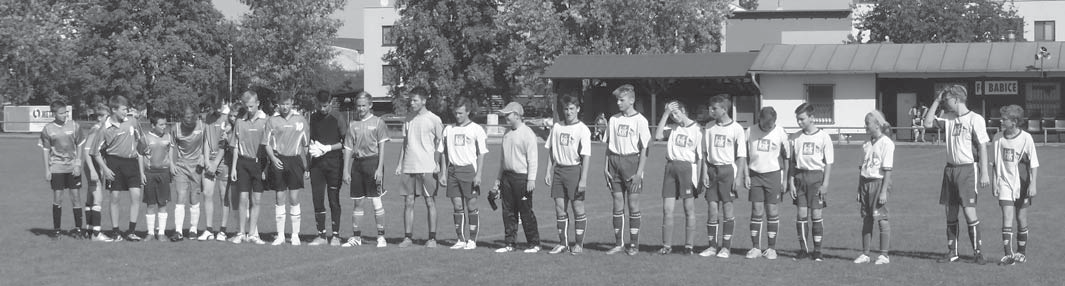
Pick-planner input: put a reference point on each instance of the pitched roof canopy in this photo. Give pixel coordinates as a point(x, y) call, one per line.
point(705, 65)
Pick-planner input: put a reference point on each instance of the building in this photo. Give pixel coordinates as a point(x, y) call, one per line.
point(377, 27)
point(348, 54)
point(1041, 18)
point(749, 30)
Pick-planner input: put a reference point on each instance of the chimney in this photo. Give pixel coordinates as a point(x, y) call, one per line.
point(780, 5)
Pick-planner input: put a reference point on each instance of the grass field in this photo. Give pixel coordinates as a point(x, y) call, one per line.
point(30, 258)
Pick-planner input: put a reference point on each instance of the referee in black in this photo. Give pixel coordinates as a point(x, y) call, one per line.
point(326, 164)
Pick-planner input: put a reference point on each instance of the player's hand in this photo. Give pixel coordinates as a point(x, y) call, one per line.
point(530, 186)
point(547, 179)
point(399, 169)
point(144, 180)
point(279, 165)
point(441, 179)
point(1031, 191)
point(378, 175)
point(636, 180)
point(108, 174)
point(984, 181)
point(994, 191)
point(93, 177)
point(792, 192)
point(307, 175)
point(210, 169)
point(347, 178)
point(233, 175)
point(822, 190)
point(173, 172)
point(609, 179)
point(495, 186)
point(77, 171)
point(47, 176)
point(883, 198)
point(747, 182)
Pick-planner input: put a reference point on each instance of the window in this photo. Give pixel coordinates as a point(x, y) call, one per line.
point(821, 97)
point(1044, 31)
point(387, 37)
point(388, 75)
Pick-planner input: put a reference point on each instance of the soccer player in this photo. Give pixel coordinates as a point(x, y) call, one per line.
point(808, 180)
point(964, 130)
point(188, 139)
point(286, 142)
point(570, 146)
point(215, 177)
point(767, 147)
point(326, 165)
point(683, 154)
point(627, 139)
point(464, 148)
point(115, 152)
point(517, 180)
point(726, 159)
point(364, 144)
point(878, 157)
point(246, 172)
point(158, 148)
point(61, 140)
point(1015, 168)
point(95, 193)
point(419, 164)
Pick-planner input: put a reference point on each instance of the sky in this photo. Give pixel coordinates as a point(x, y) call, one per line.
point(351, 15)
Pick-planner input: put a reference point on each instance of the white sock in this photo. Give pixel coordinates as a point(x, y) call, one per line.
point(294, 212)
point(162, 222)
point(194, 217)
point(279, 219)
point(150, 219)
point(179, 217)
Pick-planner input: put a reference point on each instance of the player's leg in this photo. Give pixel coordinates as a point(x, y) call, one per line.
point(712, 225)
point(76, 207)
point(357, 213)
point(459, 217)
point(560, 195)
point(334, 180)
point(410, 188)
point(280, 212)
point(195, 192)
point(162, 216)
point(245, 205)
point(528, 216)
point(474, 220)
point(253, 217)
point(966, 183)
point(632, 199)
point(817, 230)
point(757, 215)
point(135, 201)
point(668, 204)
point(150, 218)
point(183, 184)
point(618, 222)
point(1008, 217)
point(429, 187)
point(580, 225)
point(379, 218)
point(97, 208)
point(885, 241)
point(295, 187)
point(802, 226)
point(113, 211)
point(208, 187)
point(953, 232)
point(689, 225)
point(226, 193)
point(509, 201)
point(1022, 230)
point(57, 209)
point(729, 225)
point(318, 186)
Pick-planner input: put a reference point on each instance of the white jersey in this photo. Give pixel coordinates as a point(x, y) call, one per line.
point(766, 148)
point(1008, 153)
point(567, 143)
point(964, 135)
point(683, 144)
point(812, 151)
point(725, 143)
point(627, 135)
point(464, 143)
point(877, 156)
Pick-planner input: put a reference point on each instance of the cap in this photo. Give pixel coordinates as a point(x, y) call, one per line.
point(512, 107)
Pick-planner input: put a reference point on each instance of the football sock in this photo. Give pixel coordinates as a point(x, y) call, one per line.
point(222, 229)
point(689, 230)
point(818, 232)
point(149, 219)
point(952, 236)
point(459, 216)
point(295, 213)
point(57, 216)
point(711, 233)
point(96, 218)
point(88, 217)
point(974, 235)
point(1022, 239)
point(179, 217)
point(667, 231)
point(801, 226)
point(132, 227)
point(619, 223)
point(162, 223)
point(379, 215)
point(562, 224)
point(319, 219)
point(408, 235)
point(726, 235)
point(885, 236)
point(634, 228)
point(580, 223)
point(194, 217)
point(1007, 240)
point(279, 220)
point(356, 217)
point(335, 215)
point(77, 217)
point(432, 235)
point(756, 229)
point(867, 233)
point(473, 225)
point(771, 231)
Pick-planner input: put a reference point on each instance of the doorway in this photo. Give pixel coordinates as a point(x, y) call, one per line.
point(905, 101)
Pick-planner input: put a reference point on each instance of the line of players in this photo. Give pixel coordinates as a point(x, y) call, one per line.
point(714, 161)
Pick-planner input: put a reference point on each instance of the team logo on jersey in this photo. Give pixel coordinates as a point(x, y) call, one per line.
point(872, 162)
point(460, 140)
point(69, 132)
point(683, 141)
point(764, 145)
point(959, 129)
point(299, 126)
point(624, 130)
point(197, 132)
point(564, 139)
point(1009, 155)
point(719, 140)
point(808, 148)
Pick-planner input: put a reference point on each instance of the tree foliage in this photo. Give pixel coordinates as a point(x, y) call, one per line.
point(37, 50)
point(750, 5)
point(936, 21)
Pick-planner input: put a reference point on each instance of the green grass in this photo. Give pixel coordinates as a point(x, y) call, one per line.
point(917, 225)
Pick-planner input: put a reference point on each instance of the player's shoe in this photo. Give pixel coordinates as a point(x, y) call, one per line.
point(55, 234)
point(471, 245)
point(132, 237)
point(100, 237)
point(754, 253)
point(256, 240)
point(76, 233)
point(117, 237)
point(335, 240)
point(979, 259)
point(505, 249)
point(431, 243)
point(318, 240)
point(558, 249)
point(534, 249)
point(296, 240)
point(207, 235)
point(193, 234)
point(406, 242)
point(710, 251)
point(1019, 257)
point(689, 250)
point(615, 250)
point(278, 240)
point(802, 255)
point(950, 256)
point(459, 244)
point(724, 253)
point(382, 243)
point(882, 259)
point(239, 238)
point(770, 254)
point(863, 259)
point(220, 236)
point(177, 237)
point(352, 242)
point(151, 238)
point(665, 250)
point(817, 256)
point(576, 250)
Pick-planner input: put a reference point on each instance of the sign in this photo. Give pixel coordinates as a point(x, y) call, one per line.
point(999, 87)
point(28, 118)
point(978, 88)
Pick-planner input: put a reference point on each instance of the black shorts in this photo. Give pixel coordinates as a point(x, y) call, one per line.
point(65, 181)
point(807, 189)
point(722, 178)
point(460, 181)
point(127, 173)
point(249, 176)
point(766, 187)
point(157, 187)
point(565, 181)
point(326, 171)
point(677, 182)
point(362, 182)
point(959, 186)
point(289, 178)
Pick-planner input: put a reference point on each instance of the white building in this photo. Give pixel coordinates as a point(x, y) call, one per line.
point(1041, 18)
point(377, 25)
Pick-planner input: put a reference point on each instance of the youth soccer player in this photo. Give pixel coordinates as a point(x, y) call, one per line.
point(158, 147)
point(364, 144)
point(767, 147)
point(115, 152)
point(627, 139)
point(964, 130)
point(286, 141)
point(726, 160)
point(878, 157)
point(216, 177)
point(517, 180)
point(188, 139)
point(246, 172)
point(94, 196)
point(683, 154)
point(419, 167)
point(570, 146)
point(808, 182)
point(326, 165)
point(61, 140)
point(1015, 168)
point(464, 148)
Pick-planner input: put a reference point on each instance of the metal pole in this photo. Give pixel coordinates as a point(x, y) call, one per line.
point(230, 95)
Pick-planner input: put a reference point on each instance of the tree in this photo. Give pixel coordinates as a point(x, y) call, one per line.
point(938, 21)
point(37, 50)
point(750, 5)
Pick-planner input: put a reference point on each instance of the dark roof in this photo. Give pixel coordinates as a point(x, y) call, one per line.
point(348, 43)
point(943, 59)
point(706, 65)
point(791, 14)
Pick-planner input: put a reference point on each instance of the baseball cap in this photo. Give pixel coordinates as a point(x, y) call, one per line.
point(512, 107)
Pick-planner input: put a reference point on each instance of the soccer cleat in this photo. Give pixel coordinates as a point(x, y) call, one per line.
point(534, 249)
point(754, 253)
point(770, 254)
point(318, 240)
point(558, 249)
point(471, 245)
point(256, 240)
point(100, 237)
point(1019, 257)
point(207, 235)
point(382, 243)
point(665, 250)
point(220, 236)
point(724, 253)
point(132, 237)
point(505, 249)
point(632, 250)
point(278, 240)
point(240, 237)
point(863, 259)
point(352, 242)
point(576, 250)
point(76, 233)
point(882, 259)
point(334, 241)
point(979, 259)
point(459, 244)
point(431, 243)
point(151, 238)
point(296, 240)
point(615, 250)
point(55, 235)
point(817, 257)
point(689, 251)
point(406, 242)
point(802, 255)
point(193, 235)
point(710, 251)
point(177, 237)
point(117, 237)
point(950, 256)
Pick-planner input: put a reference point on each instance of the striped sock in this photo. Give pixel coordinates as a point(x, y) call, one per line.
point(634, 228)
point(580, 223)
point(474, 220)
point(1007, 240)
point(801, 227)
point(818, 233)
point(1022, 239)
point(562, 225)
point(974, 235)
point(756, 229)
point(619, 223)
point(460, 220)
point(711, 233)
point(726, 236)
point(771, 231)
point(952, 236)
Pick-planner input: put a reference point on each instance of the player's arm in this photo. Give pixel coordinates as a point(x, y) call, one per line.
point(402, 151)
point(829, 155)
point(660, 133)
point(96, 156)
point(269, 141)
point(741, 157)
point(550, 159)
point(46, 152)
point(86, 155)
point(1033, 166)
point(173, 158)
point(607, 136)
point(482, 149)
point(236, 150)
point(930, 116)
point(531, 158)
point(645, 142)
point(349, 151)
